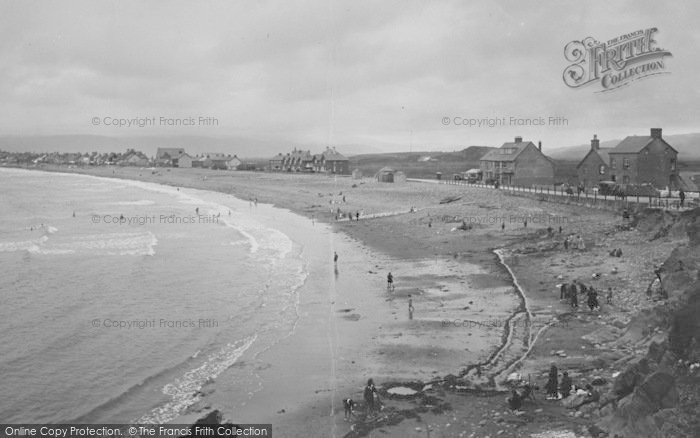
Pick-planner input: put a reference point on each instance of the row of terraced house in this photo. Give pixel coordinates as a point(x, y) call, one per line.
point(329, 161)
point(636, 160)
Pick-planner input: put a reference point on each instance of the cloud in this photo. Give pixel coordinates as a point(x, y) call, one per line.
point(340, 72)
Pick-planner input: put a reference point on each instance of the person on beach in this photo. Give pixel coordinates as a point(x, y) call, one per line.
point(369, 392)
point(681, 195)
point(196, 211)
point(560, 230)
point(390, 282)
point(357, 216)
point(335, 258)
point(525, 223)
point(552, 383)
point(573, 294)
point(566, 243)
point(514, 401)
point(503, 226)
point(593, 396)
point(609, 296)
point(566, 384)
point(593, 299)
point(410, 307)
point(255, 201)
point(563, 290)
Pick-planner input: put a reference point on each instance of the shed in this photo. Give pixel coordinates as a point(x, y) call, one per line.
point(385, 174)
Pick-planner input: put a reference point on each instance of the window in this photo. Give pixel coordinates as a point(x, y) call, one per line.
point(626, 163)
point(673, 164)
point(612, 178)
point(601, 170)
point(612, 164)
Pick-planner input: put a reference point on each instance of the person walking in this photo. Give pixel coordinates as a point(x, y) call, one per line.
point(390, 282)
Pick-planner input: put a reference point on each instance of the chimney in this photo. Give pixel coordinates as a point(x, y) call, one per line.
point(656, 132)
point(595, 143)
point(518, 139)
point(539, 145)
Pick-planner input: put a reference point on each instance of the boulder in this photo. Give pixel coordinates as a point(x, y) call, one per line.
point(630, 377)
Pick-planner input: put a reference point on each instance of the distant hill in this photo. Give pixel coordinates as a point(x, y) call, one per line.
point(687, 145)
point(421, 164)
point(243, 147)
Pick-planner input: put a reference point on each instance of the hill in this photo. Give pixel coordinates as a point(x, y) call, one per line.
point(421, 164)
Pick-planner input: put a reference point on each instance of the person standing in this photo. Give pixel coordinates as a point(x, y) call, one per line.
point(566, 384)
point(552, 382)
point(370, 391)
point(410, 307)
point(681, 195)
point(335, 258)
point(609, 296)
point(390, 282)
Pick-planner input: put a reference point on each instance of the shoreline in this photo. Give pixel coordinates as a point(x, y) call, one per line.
point(409, 236)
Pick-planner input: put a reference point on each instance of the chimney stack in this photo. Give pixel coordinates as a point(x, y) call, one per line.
point(518, 139)
point(656, 132)
point(595, 143)
point(539, 145)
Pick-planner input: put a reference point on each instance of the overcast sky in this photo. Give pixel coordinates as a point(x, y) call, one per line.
point(380, 73)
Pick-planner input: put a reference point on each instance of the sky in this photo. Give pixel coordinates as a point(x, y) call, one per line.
point(393, 75)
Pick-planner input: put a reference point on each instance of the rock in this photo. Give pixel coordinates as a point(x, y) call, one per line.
point(629, 378)
point(656, 351)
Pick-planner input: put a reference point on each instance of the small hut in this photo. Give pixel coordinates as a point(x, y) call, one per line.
point(385, 174)
point(357, 174)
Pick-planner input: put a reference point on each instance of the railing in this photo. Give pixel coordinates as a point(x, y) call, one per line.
point(558, 194)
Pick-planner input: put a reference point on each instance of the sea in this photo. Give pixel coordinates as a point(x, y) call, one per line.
point(120, 301)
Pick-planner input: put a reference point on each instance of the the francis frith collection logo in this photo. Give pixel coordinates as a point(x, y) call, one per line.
point(616, 62)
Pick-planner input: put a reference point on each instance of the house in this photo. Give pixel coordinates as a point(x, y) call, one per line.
point(183, 160)
point(332, 161)
point(198, 161)
point(644, 160)
point(276, 162)
point(518, 163)
point(216, 161)
point(298, 161)
point(595, 166)
point(133, 158)
point(165, 156)
point(234, 163)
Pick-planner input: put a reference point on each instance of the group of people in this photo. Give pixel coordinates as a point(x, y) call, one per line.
point(574, 243)
point(570, 291)
point(340, 215)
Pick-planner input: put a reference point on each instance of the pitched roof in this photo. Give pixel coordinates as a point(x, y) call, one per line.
point(170, 152)
point(507, 152)
point(635, 143)
point(603, 153)
point(632, 144)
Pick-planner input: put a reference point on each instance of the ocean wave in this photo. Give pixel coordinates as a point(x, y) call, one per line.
point(140, 202)
point(184, 391)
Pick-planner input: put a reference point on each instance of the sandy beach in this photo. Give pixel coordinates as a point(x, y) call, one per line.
point(486, 302)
